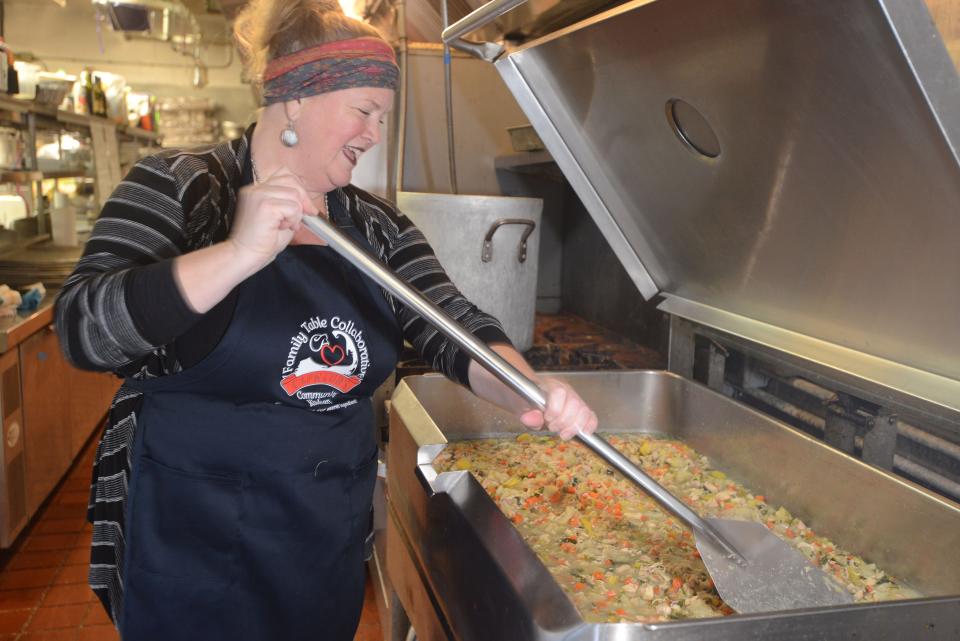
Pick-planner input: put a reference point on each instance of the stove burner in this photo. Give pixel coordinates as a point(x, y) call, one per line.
point(557, 357)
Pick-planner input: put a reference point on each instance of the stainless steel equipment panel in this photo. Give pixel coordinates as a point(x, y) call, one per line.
point(791, 163)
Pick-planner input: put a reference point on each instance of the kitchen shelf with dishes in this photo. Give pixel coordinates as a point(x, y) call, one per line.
point(56, 167)
point(13, 111)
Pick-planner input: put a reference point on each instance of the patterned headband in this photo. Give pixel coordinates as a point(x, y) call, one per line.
point(357, 62)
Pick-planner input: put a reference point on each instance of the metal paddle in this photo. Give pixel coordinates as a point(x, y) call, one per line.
point(752, 569)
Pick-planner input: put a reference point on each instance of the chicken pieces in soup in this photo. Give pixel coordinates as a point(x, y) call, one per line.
point(614, 551)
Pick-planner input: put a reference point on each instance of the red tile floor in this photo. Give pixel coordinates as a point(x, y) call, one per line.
point(43, 578)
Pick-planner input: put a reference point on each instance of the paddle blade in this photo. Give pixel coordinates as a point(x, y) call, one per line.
point(775, 577)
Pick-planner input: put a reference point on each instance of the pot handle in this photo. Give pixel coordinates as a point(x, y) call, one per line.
point(486, 253)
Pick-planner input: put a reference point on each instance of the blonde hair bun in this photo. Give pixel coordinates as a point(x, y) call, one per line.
point(268, 29)
point(325, 5)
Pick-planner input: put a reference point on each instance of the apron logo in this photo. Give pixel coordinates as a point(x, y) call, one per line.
point(327, 353)
point(332, 355)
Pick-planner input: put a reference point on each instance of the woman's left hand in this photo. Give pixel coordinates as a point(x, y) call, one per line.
point(566, 412)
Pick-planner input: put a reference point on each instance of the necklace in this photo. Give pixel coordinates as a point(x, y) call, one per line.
point(256, 179)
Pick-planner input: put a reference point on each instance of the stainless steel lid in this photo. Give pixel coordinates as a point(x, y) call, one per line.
point(784, 171)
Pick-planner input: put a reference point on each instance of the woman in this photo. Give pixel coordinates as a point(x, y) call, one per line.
point(242, 435)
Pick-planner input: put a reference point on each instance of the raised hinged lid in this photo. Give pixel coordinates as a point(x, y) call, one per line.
point(786, 171)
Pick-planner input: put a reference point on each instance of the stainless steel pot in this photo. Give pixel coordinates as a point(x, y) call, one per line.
point(489, 246)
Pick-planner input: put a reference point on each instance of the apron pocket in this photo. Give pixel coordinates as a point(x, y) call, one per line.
point(185, 525)
point(360, 492)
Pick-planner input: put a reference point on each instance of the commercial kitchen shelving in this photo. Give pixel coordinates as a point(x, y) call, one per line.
point(31, 118)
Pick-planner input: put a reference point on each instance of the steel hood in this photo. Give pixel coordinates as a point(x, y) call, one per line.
point(787, 171)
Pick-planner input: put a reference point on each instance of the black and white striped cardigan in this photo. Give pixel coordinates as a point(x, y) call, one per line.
point(110, 317)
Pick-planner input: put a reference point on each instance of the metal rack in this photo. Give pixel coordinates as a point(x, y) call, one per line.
point(32, 118)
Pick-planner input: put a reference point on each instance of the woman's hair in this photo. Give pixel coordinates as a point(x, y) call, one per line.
point(269, 29)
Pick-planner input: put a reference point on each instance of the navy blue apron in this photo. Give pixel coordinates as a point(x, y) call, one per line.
point(253, 471)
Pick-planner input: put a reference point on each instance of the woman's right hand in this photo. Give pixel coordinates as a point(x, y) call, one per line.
point(268, 215)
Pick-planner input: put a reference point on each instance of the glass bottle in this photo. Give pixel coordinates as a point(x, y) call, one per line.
point(99, 98)
point(88, 90)
point(8, 73)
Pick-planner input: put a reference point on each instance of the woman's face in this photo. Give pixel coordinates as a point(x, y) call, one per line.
point(335, 129)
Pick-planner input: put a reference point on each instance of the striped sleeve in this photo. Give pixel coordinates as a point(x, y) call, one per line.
point(407, 252)
point(108, 313)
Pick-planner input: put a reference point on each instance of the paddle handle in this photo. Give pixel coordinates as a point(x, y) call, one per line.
point(504, 371)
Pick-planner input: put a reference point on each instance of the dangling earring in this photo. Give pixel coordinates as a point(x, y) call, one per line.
point(289, 137)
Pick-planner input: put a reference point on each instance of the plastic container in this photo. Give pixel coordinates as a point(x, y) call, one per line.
point(63, 227)
point(12, 208)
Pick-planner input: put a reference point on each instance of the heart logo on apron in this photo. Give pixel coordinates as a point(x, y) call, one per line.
point(332, 354)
